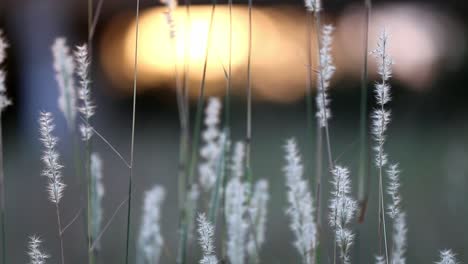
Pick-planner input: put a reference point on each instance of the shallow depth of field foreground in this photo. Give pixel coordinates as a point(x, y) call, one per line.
point(211, 132)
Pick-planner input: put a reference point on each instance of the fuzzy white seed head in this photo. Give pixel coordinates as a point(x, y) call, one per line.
point(150, 241)
point(393, 190)
point(4, 101)
point(36, 256)
point(382, 93)
point(326, 71)
point(313, 5)
point(211, 148)
point(342, 206)
point(344, 240)
point(380, 121)
point(97, 193)
point(301, 208)
point(380, 116)
point(238, 160)
point(399, 239)
point(86, 106)
point(447, 257)
point(169, 16)
point(64, 67)
point(205, 239)
point(3, 47)
point(235, 212)
point(384, 61)
point(342, 210)
point(50, 157)
point(193, 195)
point(380, 260)
point(257, 214)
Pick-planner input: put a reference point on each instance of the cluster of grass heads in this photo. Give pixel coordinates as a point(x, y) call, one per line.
point(218, 191)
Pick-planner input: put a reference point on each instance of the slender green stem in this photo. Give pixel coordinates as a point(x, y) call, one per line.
point(327, 133)
point(322, 87)
point(381, 164)
point(60, 233)
point(201, 102)
point(91, 255)
point(220, 173)
point(185, 214)
point(87, 147)
point(181, 258)
point(227, 99)
point(2, 195)
point(364, 176)
point(248, 137)
point(132, 146)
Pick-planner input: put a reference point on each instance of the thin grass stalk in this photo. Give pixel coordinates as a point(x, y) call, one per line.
point(381, 192)
point(185, 135)
point(310, 118)
point(60, 233)
point(182, 255)
point(227, 101)
point(200, 103)
point(220, 172)
point(382, 215)
point(364, 176)
point(2, 195)
point(182, 104)
point(90, 23)
point(227, 128)
point(91, 255)
point(327, 133)
point(186, 88)
point(248, 137)
point(132, 146)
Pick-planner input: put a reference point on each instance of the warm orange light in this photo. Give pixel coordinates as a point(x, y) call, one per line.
point(279, 56)
point(159, 52)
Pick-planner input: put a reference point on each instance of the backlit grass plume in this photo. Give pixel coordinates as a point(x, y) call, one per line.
point(326, 71)
point(399, 239)
point(211, 147)
point(342, 210)
point(301, 208)
point(150, 241)
point(50, 157)
point(447, 257)
point(313, 5)
point(169, 16)
point(206, 240)
point(4, 101)
point(238, 160)
point(236, 198)
point(380, 120)
point(35, 253)
point(379, 260)
point(97, 193)
point(64, 67)
point(397, 215)
point(381, 116)
point(257, 218)
point(52, 169)
point(86, 106)
point(393, 190)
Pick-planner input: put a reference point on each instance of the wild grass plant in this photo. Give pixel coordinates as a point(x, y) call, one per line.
point(218, 191)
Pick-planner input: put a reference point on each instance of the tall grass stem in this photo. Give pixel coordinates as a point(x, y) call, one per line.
point(132, 145)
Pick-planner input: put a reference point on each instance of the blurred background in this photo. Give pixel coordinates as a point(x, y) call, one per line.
point(427, 136)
